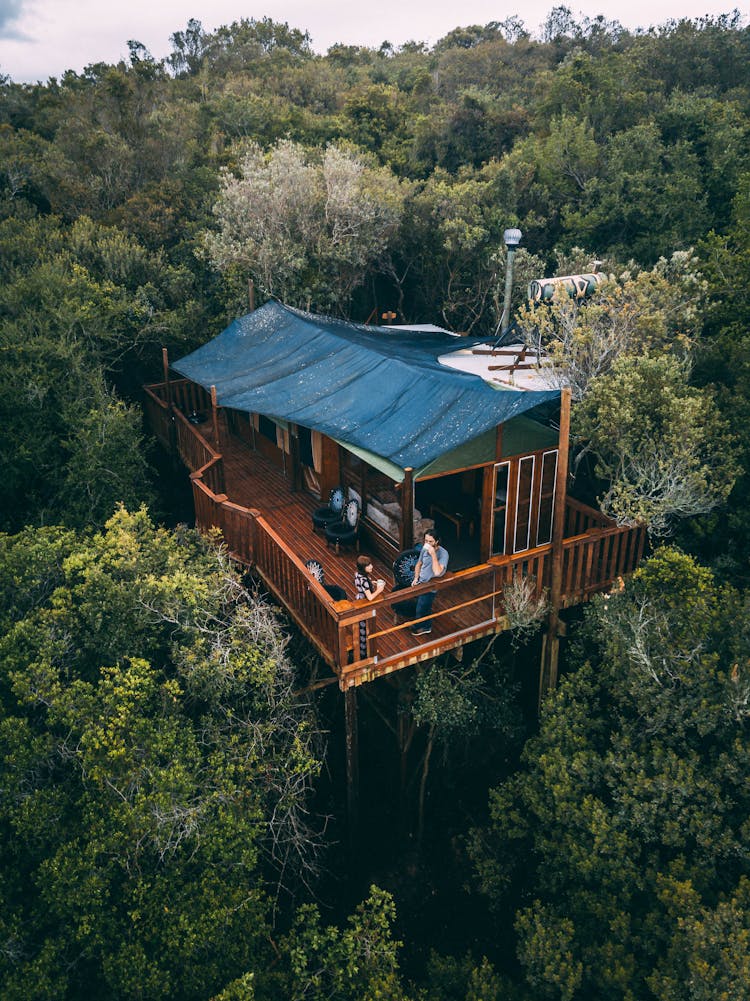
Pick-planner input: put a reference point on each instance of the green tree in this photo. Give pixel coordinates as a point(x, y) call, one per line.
point(453, 231)
point(358, 961)
point(723, 362)
point(661, 447)
point(71, 450)
point(660, 444)
point(309, 230)
point(624, 835)
point(155, 765)
point(640, 312)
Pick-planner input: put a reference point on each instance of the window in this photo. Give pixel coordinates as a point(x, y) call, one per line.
point(500, 508)
point(546, 498)
point(523, 503)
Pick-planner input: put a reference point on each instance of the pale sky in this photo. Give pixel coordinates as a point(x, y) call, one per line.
point(43, 38)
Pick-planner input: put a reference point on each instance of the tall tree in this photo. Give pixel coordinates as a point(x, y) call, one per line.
point(307, 229)
point(667, 453)
point(154, 765)
point(624, 836)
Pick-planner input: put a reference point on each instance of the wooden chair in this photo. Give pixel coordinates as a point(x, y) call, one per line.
point(322, 516)
point(346, 531)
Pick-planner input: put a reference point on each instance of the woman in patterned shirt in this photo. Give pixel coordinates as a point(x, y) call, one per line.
point(365, 588)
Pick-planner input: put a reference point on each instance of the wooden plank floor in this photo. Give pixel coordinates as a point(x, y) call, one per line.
point(253, 481)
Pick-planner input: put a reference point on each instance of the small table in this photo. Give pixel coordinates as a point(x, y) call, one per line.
point(457, 518)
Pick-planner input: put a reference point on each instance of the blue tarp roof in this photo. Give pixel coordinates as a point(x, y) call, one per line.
point(377, 388)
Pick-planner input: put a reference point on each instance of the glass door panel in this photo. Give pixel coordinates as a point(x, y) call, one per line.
point(523, 503)
point(547, 498)
point(500, 508)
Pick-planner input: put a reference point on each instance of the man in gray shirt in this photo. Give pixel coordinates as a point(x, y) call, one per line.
point(432, 562)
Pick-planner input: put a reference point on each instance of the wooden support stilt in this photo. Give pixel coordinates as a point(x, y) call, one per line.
point(550, 650)
point(548, 664)
point(405, 729)
point(250, 295)
point(215, 416)
point(352, 763)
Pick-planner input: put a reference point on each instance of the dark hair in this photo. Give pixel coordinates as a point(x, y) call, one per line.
point(363, 563)
point(434, 534)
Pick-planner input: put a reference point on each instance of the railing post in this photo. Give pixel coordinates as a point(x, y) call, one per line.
point(215, 417)
point(167, 384)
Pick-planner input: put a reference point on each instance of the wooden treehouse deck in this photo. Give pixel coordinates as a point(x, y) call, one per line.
point(269, 528)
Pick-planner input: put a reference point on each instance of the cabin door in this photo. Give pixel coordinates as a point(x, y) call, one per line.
point(453, 503)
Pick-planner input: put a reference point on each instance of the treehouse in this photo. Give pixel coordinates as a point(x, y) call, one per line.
point(284, 407)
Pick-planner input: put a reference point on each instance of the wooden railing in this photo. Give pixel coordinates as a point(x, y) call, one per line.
point(183, 394)
point(159, 416)
point(593, 561)
point(469, 604)
point(580, 518)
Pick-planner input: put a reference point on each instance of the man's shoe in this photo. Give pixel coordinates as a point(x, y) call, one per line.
point(421, 630)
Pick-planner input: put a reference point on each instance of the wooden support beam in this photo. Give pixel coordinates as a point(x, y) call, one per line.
point(294, 458)
point(250, 295)
point(352, 764)
point(493, 352)
point(330, 472)
point(548, 677)
point(513, 367)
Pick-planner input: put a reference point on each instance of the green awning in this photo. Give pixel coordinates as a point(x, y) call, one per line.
point(520, 436)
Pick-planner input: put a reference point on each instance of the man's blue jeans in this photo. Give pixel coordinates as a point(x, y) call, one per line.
point(424, 607)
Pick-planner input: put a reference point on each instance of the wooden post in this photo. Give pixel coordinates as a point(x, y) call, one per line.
point(407, 509)
point(167, 384)
point(352, 763)
point(330, 473)
point(251, 295)
point(548, 673)
point(294, 458)
point(215, 416)
point(488, 513)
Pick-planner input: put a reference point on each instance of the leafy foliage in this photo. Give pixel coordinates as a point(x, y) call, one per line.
point(153, 759)
point(155, 765)
point(308, 232)
point(632, 797)
point(660, 444)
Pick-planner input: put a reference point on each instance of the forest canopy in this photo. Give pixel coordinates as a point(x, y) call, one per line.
point(164, 785)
